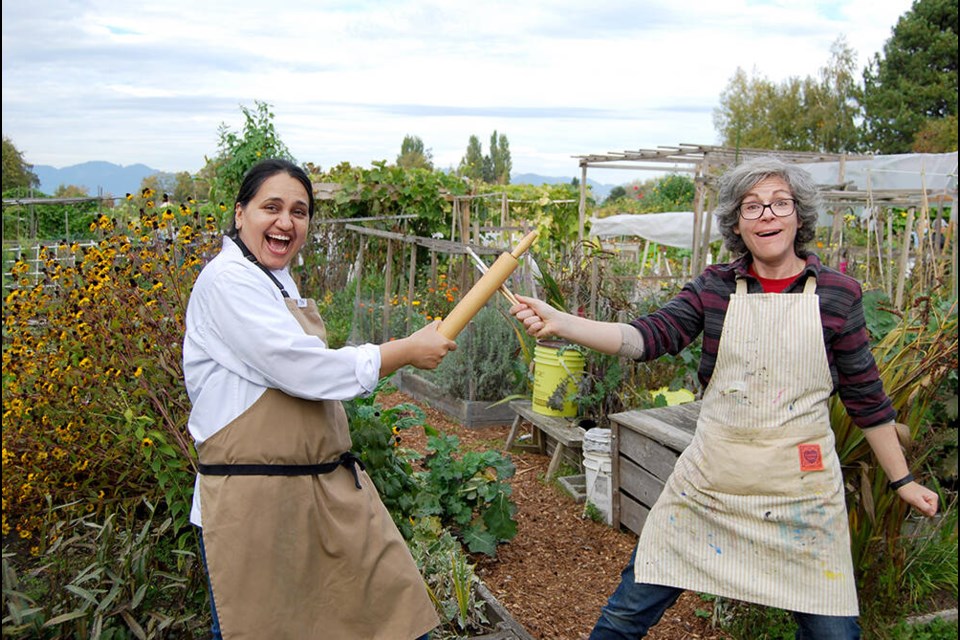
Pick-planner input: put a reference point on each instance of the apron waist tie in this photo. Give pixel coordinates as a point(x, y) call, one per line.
point(347, 459)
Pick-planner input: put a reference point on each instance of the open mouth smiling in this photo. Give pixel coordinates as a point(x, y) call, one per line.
point(278, 243)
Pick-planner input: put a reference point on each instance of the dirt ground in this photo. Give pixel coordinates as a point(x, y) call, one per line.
point(559, 570)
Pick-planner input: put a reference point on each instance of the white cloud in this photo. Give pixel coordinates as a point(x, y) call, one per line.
point(100, 80)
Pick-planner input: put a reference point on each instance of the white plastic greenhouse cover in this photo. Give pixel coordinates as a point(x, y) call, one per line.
point(674, 228)
point(910, 171)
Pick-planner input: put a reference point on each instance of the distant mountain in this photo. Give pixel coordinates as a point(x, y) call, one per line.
point(600, 191)
point(113, 179)
point(117, 180)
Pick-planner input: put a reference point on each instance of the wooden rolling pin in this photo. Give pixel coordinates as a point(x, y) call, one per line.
point(483, 290)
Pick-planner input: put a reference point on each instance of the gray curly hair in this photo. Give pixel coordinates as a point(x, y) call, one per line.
point(736, 182)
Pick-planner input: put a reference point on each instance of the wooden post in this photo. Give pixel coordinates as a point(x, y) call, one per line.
point(698, 198)
point(582, 210)
point(951, 238)
point(504, 210)
point(904, 257)
point(889, 279)
point(594, 283)
point(387, 293)
point(356, 298)
point(705, 243)
point(411, 282)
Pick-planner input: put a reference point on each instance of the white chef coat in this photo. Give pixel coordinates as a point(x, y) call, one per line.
point(241, 340)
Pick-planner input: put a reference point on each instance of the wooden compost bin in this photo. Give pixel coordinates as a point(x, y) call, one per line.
point(646, 444)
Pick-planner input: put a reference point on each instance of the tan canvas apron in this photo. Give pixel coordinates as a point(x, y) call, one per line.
point(754, 509)
point(303, 556)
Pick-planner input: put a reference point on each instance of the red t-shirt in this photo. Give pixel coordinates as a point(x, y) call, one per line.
point(772, 285)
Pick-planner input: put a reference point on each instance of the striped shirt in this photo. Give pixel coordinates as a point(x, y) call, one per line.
point(702, 305)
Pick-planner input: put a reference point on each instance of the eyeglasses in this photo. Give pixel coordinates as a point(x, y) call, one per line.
point(780, 208)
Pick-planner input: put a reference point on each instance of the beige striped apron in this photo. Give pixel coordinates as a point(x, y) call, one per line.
point(303, 556)
point(754, 509)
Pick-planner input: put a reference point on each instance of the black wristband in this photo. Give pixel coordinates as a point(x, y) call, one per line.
point(896, 484)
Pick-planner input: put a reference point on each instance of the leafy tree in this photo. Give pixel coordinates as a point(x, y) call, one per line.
point(494, 168)
point(617, 193)
point(17, 173)
point(937, 136)
point(471, 165)
point(500, 160)
point(672, 192)
point(914, 82)
point(413, 155)
point(178, 187)
point(70, 191)
point(807, 114)
point(236, 153)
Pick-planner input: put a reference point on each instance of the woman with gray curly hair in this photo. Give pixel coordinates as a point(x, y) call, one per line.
point(754, 509)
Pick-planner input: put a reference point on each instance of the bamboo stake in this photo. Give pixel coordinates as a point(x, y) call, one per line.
point(904, 256)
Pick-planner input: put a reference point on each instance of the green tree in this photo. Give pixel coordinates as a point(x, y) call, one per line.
point(798, 114)
point(617, 193)
point(500, 160)
point(471, 165)
point(914, 82)
point(237, 152)
point(413, 155)
point(493, 168)
point(17, 173)
point(937, 136)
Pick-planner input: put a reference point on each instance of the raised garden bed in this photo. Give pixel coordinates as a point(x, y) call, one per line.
point(503, 625)
point(470, 413)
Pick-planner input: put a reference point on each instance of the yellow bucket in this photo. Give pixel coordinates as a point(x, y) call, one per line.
point(557, 368)
point(673, 398)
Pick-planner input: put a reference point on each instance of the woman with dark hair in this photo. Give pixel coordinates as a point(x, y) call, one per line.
point(754, 509)
point(295, 538)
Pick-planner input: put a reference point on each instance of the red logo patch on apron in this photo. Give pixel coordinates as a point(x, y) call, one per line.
point(810, 457)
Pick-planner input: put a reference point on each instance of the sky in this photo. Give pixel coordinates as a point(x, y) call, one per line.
point(346, 80)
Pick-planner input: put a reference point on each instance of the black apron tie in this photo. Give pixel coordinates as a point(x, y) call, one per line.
point(347, 459)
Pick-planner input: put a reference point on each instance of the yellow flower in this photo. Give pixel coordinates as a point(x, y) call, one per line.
point(138, 372)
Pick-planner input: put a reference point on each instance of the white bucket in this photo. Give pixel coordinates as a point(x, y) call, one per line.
point(597, 440)
point(597, 469)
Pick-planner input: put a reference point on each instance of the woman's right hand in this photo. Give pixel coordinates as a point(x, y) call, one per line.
point(539, 318)
point(428, 346)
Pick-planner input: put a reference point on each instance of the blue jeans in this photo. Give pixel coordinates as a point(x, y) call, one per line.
point(215, 622)
point(635, 607)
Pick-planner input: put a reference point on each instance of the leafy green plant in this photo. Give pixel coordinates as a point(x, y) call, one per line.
point(913, 358)
point(450, 578)
point(115, 578)
point(376, 434)
point(469, 493)
point(238, 152)
point(92, 382)
point(484, 366)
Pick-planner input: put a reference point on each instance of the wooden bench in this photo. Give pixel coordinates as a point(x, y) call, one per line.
point(646, 444)
point(562, 431)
